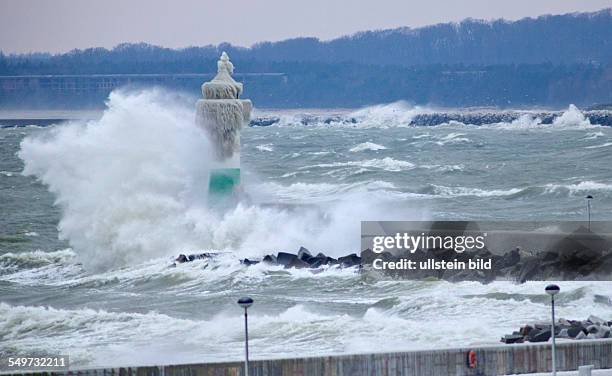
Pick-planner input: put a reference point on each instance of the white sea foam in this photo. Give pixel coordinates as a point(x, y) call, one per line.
point(465, 191)
point(526, 121)
point(26, 326)
point(35, 258)
point(397, 114)
point(312, 192)
point(390, 115)
point(387, 163)
point(291, 174)
point(578, 188)
point(593, 135)
point(367, 146)
point(265, 147)
point(338, 197)
point(570, 119)
point(452, 138)
point(381, 318)
point(38, 267)
point(444, 168)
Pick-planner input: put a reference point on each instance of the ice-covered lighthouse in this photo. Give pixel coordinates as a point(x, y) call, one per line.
point(222, 114)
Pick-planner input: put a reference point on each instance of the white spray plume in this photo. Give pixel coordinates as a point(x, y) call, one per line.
point(132, 186)
point(126, 181)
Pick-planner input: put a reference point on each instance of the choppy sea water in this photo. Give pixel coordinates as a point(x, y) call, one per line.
point(92, 215)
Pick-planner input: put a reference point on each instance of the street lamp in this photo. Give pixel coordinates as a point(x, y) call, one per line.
point(589, 198)
point(245, 303)
point(553, 290)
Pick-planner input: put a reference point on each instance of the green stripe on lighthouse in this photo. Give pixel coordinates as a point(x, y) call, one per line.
point(223, 181)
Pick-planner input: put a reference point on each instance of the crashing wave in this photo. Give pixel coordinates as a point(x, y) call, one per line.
point(400, 114)
point(35, 259)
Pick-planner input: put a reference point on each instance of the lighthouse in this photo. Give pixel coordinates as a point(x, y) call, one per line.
point(222, 114)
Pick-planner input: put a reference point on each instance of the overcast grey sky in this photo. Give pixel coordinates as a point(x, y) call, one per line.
point(61, 25)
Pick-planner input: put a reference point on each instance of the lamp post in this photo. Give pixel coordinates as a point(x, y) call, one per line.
point(588, 199)
point(245, 303)
point(553, 290)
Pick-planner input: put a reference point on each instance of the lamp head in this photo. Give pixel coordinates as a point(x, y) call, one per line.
point(245, 302)
point(589, 197)
point(552, 290)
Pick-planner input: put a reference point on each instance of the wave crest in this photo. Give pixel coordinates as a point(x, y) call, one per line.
point(367, 146)
point(36, 259)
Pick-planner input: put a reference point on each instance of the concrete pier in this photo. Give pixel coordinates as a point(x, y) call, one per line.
point(491, 360)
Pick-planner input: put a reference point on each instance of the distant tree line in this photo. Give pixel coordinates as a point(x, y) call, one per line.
point(549, 60)
point(353, 85)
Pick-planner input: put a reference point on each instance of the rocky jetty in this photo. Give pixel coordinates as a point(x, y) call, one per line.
point(581, 255)
point(515, 265)
point(592, 328)
point(302, 259)
point(473, 117)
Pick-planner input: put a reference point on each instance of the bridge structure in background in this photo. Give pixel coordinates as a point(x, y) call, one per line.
point(86, 83)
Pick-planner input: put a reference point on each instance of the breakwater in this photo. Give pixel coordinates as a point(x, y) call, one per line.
point(433, 118)
point(490, 360)
point(504, 118)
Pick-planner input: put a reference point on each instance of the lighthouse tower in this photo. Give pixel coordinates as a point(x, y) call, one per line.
point(222, 114)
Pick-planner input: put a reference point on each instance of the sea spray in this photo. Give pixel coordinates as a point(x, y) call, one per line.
point(126, 182)
point(572, 117)
point(396, 114)
point(132, 186)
